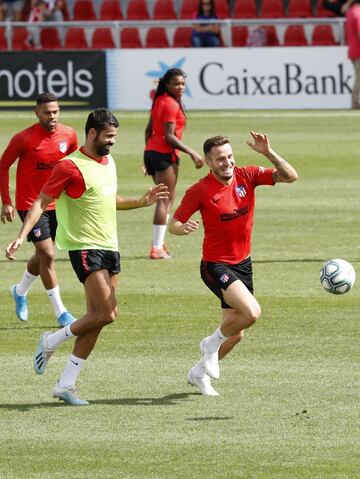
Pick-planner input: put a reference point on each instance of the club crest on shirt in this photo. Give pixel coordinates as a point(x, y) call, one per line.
point(240, 191)
point(63, 146)
point(224, 278)
point(37, 232)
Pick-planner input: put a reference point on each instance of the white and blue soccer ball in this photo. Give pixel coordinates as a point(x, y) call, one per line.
point(337, 276)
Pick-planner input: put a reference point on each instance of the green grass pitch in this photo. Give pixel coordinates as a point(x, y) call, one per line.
point(289, 394)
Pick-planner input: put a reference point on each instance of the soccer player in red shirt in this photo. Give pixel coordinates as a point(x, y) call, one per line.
point(163, 142)
point(37, 149)
point(225, 199)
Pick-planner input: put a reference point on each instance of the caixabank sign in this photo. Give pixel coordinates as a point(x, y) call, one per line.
point(77, 78)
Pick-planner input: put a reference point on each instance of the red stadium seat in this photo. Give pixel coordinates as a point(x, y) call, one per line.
point(182, 37)
point(245, 9)
point(272, 39)
point(130, 38)
point(272, 9)
point(239, 36)
point(156, 38)
point(75, 38)
point(137, 10)
point(300, 9)
point(102, 38)
point(188, 9)
point(3, 42)
point(295, 36)
point(164, 10)
point(222, 8)
point(110, 10)
point(323, 35)
point(49, 38)
point(84, 10)
point(20, 37)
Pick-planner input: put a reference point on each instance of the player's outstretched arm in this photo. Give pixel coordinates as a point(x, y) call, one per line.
point(284, 172)
point(32, 217)
point(157, 192)
point(176, 227)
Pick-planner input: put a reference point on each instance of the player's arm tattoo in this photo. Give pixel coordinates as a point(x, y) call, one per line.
point(284, 172)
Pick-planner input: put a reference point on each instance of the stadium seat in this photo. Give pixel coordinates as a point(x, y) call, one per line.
point(19, 39)
point(75, 38)
point(102, 38)
point(182, 37)
point(49, 38)
point(321, 11)
point(245, 9)
point(323, 35)
point(295, 36)
point(272, 9)
point(110, 10)
point(84, 10)
point(164, 10)
point(137, 10)
point(130, 38)
point(222, 8)
point(272, 39)
point(299, 9)
point(3, 42)
point(188, 9)
point(156, 38)
point(239, 36)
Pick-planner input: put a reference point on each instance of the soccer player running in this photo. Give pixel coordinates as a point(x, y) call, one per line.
point(163, 143)
point(225, 199)
point(85, 186)
point(37, 148)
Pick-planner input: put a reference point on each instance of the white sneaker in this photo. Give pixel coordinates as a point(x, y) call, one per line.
point(203, 384)
point(43, 353)
point(210, 360)
point(69, 395)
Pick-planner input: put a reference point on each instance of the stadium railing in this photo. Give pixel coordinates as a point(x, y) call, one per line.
point(337, 23)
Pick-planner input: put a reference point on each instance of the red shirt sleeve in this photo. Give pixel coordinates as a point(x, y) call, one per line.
point(170, 110)
point(189, 204)
point(10, 155)
point(65, 177)
point(260, 175)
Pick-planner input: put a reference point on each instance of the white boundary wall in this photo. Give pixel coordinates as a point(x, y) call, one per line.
point(235, 78)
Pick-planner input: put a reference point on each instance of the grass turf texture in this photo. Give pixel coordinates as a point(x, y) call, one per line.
point(289, 403)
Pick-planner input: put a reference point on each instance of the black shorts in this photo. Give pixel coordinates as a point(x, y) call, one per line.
point(45, 228)
point(86, 261)
point(218, 276)
point(156, 161)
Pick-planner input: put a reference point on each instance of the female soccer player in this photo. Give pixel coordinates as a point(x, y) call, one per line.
point(163, 142)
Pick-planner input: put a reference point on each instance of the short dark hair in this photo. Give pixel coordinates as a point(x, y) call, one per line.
point(99, 119)
point(214, 141)
point(45, 97)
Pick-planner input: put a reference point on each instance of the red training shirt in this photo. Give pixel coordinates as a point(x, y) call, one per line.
point(352, 27)
point(227, 212)
point(38, 150)
point(67, 177)
point(165, 110)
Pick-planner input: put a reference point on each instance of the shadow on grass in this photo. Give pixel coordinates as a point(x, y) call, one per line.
point(20, 326)
point(168, 400)
point(210, 418)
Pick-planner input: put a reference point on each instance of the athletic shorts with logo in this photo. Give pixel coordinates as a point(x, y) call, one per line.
point(45, 228)
point(156, 161)
point(86, 261)
point(219, 276)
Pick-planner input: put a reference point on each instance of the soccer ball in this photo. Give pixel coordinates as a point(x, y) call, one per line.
point(337, 276)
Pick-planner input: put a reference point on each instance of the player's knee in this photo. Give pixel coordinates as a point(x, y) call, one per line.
point(251, 314)
point(47, 256)
point(107, 317)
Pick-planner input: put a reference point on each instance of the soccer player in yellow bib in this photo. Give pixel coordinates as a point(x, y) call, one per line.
point(85, 187)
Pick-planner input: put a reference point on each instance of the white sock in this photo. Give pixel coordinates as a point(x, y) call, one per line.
point(55, 339)
point(25, 284)
point(71, 371)
point(158, 236)
point(215, 340)
point(55, 298)
point(198, 370)
point(167, 218)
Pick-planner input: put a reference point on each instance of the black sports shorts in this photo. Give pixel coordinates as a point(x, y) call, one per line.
point(156, 161)
point(218, 276)
point(86, 261)
point(45, 228)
